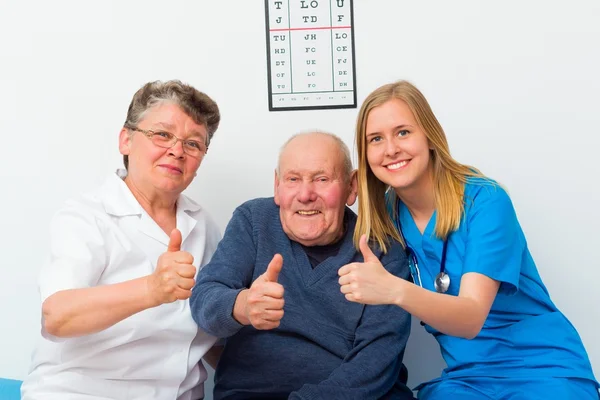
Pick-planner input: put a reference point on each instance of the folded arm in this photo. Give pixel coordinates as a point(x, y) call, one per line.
point(373, 366)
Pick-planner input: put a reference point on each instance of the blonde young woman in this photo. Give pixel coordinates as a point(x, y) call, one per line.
point(475, 285)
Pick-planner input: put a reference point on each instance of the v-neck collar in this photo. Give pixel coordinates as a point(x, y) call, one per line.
point(119, 201)
point(184, 222)
point(345, 255)
point(426, 244)
point(410, 230)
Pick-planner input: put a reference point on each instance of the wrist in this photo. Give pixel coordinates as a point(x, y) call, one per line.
point(400, 286)
point(150, 299)
point(239, 308)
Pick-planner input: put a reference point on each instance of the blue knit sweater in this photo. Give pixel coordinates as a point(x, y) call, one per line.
point(325, 347)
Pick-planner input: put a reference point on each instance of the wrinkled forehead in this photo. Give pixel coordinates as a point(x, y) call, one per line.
point(311, 155)
point(171, 117)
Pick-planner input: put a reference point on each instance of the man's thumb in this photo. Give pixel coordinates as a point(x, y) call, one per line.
point(174, 240)
point(366, 250)
point(274, 268)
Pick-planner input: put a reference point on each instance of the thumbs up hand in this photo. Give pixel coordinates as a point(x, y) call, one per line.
point(174, 241)
point(273, 269)
point(173, 278)
point(367, 282)
point(263, 302)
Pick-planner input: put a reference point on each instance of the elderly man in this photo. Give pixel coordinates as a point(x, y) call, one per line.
point(272, 290)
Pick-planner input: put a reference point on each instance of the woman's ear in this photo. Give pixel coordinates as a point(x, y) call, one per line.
point(124, 142)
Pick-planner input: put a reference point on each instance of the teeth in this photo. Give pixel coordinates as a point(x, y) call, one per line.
point(397, 165)
point(308, 212)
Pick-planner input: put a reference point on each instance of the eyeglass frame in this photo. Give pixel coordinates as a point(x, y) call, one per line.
point(150, 132)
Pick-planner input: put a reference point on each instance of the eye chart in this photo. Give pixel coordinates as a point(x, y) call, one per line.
point(310, 53)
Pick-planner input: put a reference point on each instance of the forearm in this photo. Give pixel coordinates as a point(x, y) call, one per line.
point(78, 312)
point(373, 365)
point(361, 378)
point(324, 391)
point(452, 315)
point(212, 305)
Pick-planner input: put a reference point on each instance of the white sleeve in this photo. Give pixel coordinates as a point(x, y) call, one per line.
point(77, 251)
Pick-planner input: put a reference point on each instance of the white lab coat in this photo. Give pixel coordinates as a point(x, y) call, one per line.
point(106, 237)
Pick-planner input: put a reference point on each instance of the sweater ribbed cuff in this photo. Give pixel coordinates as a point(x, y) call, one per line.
point(226, 325)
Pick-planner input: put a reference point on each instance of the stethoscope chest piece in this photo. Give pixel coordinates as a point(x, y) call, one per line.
point(442, 282)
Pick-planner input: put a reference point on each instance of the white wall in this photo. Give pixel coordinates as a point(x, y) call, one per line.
point(514, 83)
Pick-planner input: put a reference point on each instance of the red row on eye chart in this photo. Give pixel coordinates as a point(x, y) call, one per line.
point(310, 51)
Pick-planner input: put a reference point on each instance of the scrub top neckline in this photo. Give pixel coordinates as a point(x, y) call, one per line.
point(410, 228)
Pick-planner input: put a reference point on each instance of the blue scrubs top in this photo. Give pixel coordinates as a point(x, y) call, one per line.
point(524, 335)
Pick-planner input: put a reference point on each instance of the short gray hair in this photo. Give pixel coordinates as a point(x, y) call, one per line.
point(343, 148)
point(201, 108)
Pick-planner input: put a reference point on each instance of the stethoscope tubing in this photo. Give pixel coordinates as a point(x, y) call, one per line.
point(441, 282)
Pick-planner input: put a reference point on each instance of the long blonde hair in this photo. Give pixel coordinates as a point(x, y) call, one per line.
point(449, 176)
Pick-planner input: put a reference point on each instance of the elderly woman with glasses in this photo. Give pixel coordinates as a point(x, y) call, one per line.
point(116, 323)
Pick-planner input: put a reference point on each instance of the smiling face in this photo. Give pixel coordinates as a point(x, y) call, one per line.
point(398, 151)
point(312, 190)
point(157, 170)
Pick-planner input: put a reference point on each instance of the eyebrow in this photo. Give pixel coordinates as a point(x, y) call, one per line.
point(166, 125)
point(311, 174)
point(171, 127)
point(401, 126)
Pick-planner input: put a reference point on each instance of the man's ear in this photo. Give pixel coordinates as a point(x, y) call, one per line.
point(353, 188)
point(124, 142)
point(276, 188)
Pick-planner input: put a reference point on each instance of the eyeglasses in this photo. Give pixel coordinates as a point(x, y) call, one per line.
point(193, 148)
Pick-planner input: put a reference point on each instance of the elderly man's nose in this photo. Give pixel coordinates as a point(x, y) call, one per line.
point(306, 193)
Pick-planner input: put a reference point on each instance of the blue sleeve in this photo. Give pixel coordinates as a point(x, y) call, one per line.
point(495, 242)
point(229, 272)
point(373, 366)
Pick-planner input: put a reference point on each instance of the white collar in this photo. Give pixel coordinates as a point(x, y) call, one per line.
point(119, 201)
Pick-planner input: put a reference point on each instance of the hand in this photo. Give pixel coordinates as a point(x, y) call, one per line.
point(264, 300)
point(367, 282)
point(173, 278)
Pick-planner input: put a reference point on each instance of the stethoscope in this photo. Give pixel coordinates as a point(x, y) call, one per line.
point(441, 283)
